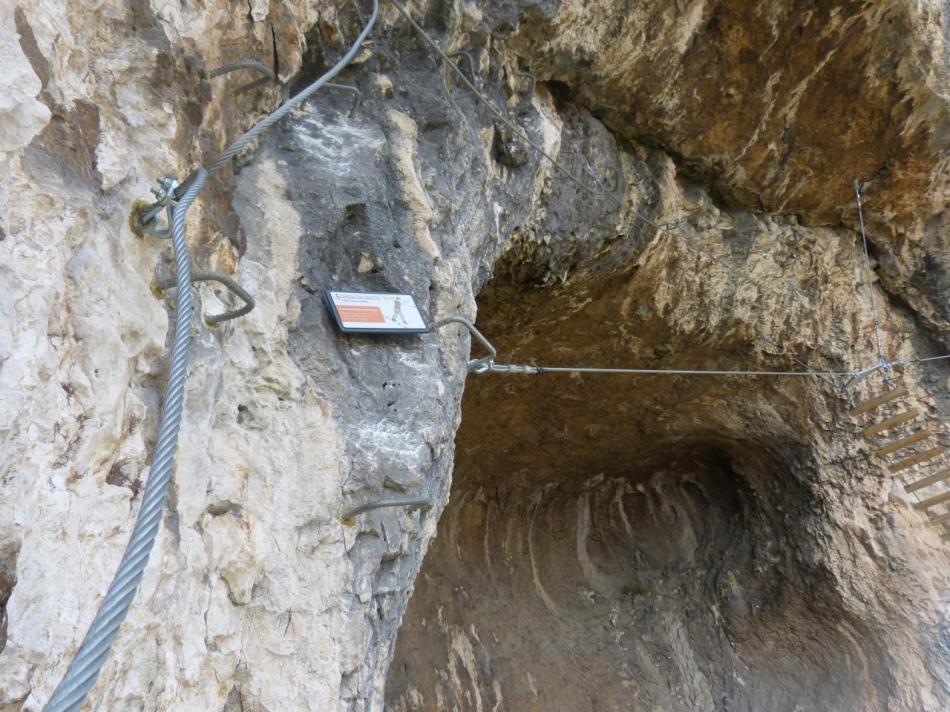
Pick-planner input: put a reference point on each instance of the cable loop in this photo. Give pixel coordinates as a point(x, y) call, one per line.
point(471, 62)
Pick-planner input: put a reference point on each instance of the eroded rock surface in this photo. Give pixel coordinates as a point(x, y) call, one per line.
point(682, 543)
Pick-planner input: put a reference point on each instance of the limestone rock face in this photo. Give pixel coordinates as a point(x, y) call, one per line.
point(779, 107)
point(594, 542)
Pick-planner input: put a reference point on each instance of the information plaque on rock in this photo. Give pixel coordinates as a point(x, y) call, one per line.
point(375, 312)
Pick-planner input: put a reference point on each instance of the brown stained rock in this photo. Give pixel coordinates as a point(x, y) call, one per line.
point(65, 151)
point(779, 105)
point(654, 542)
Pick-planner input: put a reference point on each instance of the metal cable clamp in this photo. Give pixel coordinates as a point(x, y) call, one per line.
point(476, 365)
point(882, 365)
point(165, 197)
point(143, 219)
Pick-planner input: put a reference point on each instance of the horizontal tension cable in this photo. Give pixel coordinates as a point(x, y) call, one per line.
point(487, 364)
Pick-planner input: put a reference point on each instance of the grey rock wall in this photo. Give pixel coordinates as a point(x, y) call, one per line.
point(257, 595)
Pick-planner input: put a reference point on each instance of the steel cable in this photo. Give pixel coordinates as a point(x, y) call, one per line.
point(280, 112)
point(907, 361)
point(285, 108)
point(540, 370)
point(867, 268)
point(92, 654)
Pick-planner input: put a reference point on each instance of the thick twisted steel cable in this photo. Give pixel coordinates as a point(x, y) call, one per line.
point(285, 108)
point(148, 215)
point(867, 270)
point(92, 654)
point(907, 361)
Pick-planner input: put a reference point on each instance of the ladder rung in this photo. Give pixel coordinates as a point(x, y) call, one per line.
point(903, 442)
point(917, 459)
point(879, 401)
point(927, 481)
point(946, 536)
point(890, 422)
point(943, 518)
point(933, 501)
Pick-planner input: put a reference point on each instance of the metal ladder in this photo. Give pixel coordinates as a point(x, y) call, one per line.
point(908, 444)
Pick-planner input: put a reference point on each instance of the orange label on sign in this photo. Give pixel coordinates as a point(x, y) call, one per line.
point(365, 315)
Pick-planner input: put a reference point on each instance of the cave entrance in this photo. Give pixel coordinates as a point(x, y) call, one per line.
point(616, 543)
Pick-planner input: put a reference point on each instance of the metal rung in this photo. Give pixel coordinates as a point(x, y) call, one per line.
point(917, 459)
point(890, 422)
point(879, 401)
point(903, 442)
point(945, 537)
point(942, 519)
point(927, 481)
point(934, 501)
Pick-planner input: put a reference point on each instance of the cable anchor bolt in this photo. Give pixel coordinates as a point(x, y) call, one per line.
point(252, 64)
point(143, 220)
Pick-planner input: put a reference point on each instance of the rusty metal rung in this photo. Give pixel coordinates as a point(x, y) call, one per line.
point(867, 405)
point(933, 501)
point(904, 442)
point(943, 518)
point(898, 419)
point(917, 459)
point(927, 481)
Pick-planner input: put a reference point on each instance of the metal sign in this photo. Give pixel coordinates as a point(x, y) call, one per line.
point(375, 312)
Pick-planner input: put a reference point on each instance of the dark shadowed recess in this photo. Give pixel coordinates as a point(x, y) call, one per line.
point(616, 543)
